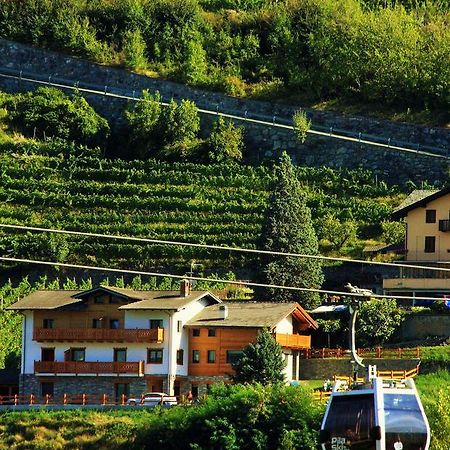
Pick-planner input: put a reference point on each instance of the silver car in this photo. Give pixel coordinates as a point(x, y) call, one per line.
point(154, 399)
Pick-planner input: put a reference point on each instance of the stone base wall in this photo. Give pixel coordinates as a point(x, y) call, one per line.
point(202, 383)
point(92, 386)
point(262, 141)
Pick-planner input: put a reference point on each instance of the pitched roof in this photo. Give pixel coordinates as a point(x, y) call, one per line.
point(251, 314)
point(140, 300)
point(417, 198)
point(46, 299)
point(169, 300)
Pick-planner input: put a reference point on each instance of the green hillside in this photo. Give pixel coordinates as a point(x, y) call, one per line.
point(390, 54)
point(216, 204)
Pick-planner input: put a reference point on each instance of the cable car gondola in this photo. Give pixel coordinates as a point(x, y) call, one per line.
point(378, 414)
point(374, 414)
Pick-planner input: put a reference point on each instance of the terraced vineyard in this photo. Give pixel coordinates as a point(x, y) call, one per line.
point(217, 204)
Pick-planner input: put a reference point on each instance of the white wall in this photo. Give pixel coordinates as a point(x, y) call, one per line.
point(31, 350)
point(103, 352)
point(181, 339)
point(288, 369)
point(285, 326)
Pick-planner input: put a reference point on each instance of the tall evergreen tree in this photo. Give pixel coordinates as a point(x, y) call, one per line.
point(288, 227)
point(261, 362)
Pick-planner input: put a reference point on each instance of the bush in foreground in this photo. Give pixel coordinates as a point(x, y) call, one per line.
point(239, 417)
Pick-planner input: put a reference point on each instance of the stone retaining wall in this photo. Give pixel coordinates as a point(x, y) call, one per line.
point(263, 141)
point(93, 386)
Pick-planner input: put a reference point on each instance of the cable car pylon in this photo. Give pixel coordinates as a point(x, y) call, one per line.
point(374, 414)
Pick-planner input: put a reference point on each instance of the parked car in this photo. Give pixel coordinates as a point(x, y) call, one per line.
point(154, 399)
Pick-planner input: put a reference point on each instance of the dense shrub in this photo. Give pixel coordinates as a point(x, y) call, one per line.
point(225, 142)
point(48, 112)
point(392, 53)
point(238, 417)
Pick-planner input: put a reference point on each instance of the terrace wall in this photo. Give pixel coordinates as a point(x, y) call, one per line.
point(263, 141)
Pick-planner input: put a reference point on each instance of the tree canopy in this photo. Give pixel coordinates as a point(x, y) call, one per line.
point(261, 362)
point(288, 227)
point(377, 321)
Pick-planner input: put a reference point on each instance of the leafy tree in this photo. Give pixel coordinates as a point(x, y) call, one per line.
point(143, 121)
point(336, 232)
point(134, 50)
point(301, 125)
point(288, 227)
point(329, 326)
point(393, 232)
point(195, 66)
point(50, 112)
point(261, 362)
point(181, 121)
point(179, 125)
point(225, 142)
point(377, 320)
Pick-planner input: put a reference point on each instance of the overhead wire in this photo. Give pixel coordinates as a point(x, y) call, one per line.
point(272, 124)
point(221, 247)
point(218, 280)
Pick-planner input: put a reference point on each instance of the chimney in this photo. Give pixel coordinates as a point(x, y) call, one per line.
point(185, 288)
point(223, 312)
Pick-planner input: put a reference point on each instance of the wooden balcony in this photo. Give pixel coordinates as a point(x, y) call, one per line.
point(90, 368)
point(294, 341)
point(154, 335)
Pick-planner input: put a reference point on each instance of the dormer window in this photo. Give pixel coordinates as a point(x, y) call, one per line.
point(430, 216)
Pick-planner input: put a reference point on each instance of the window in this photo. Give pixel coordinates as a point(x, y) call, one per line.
point(47, 354)
point(155, 356)
point(233, 356)
point(96, 323)
point(211, 332)
point(78, 354)
point(430, 216)
point(195, 356)
point(430, 244)
point(48, 323)
point(114, 324)
point(120, 390)
point(156, 323)
point(211, 356)
point(196, 332)
point(120, 354)
point(179, 326)
point(47, 388)
point(180, 357)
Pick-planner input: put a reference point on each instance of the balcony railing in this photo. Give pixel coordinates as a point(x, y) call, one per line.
point(153, 335)
point(85, 367)
point(293, 340)
point(444, 225)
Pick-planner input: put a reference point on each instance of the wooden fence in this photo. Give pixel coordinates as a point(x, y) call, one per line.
point(78, 399)
point(386, 374)
point(378, 352)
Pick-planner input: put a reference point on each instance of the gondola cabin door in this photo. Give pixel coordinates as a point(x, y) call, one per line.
point(351, 423)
